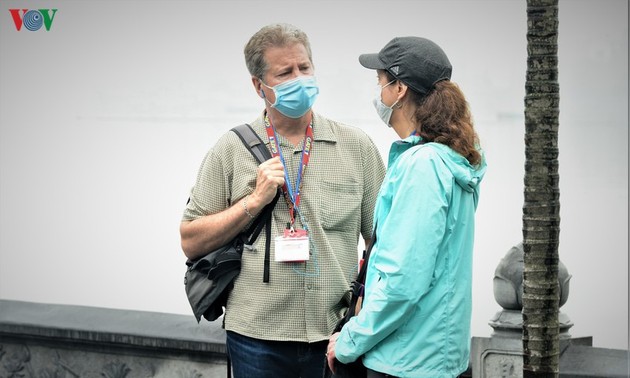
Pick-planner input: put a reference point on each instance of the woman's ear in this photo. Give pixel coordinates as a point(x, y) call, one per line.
point(401, 90)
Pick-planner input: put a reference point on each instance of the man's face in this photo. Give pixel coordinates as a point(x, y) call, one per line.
point(285, 63)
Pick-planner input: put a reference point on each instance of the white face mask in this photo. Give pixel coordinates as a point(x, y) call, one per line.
point(384, 111)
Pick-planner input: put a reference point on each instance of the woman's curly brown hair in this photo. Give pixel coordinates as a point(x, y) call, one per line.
point(443, 116)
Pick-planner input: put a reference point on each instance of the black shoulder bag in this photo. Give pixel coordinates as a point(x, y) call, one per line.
point(209, 279)
point(354, 369)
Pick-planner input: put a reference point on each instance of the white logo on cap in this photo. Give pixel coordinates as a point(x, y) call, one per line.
point(395, 69)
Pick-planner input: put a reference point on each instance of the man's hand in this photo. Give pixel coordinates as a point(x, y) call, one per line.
point(269, 177)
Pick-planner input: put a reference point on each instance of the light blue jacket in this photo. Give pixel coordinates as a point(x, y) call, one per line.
point(415, 320)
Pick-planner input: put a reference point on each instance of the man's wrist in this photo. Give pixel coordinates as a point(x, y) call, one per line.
point(246, 208)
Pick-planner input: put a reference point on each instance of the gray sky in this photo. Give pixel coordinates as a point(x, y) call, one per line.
point(105, 118)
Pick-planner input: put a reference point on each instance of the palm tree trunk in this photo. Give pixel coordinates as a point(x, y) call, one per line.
point(541, 209)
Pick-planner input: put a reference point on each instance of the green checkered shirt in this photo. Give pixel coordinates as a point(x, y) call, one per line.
point(302, 301)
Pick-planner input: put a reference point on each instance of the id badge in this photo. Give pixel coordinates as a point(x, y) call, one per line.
point(292, 246)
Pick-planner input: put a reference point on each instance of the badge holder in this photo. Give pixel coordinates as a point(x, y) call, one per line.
point(292, 246)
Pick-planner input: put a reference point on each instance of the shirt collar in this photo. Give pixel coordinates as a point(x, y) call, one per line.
point(321, 128)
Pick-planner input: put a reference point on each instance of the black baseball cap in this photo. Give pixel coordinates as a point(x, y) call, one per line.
point(417, 62)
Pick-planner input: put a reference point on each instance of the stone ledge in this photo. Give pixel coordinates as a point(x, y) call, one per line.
point(493, 357)
point(99, 326)
point(586, 361)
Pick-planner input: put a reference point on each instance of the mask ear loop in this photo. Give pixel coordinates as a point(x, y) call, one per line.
point(394, 105)
point(262, 93)
point(383, 87)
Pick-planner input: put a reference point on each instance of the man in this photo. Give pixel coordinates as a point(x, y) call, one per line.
point(329, 175)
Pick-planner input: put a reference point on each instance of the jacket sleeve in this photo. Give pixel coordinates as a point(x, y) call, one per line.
point(400, 270)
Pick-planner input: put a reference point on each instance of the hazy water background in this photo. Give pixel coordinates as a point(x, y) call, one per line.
point(105, 118)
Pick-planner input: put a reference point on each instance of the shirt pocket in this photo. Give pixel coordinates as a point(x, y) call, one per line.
point(341, 205)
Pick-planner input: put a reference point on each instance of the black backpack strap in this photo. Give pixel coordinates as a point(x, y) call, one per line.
point(366, 258)
point(250, 139)
point(262, 218)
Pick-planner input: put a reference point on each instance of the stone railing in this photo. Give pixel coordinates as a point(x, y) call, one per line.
point(48, 341)
point(59, 341)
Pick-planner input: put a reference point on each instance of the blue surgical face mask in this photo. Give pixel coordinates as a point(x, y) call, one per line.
point(294, 97)
point(384, 111)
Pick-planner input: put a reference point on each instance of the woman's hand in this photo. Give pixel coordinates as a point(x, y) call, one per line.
point(330, 352)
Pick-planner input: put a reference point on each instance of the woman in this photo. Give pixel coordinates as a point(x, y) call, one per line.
point(415, 319)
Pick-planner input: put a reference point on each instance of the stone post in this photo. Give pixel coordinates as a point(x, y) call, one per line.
point(501, 355)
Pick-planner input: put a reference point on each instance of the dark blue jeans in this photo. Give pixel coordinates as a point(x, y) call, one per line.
point(254, 358)
point(376, 374)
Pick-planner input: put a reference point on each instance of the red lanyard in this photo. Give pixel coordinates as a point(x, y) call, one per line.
point(291, 194)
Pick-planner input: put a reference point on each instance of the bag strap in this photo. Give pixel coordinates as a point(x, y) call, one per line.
point(251, 140)
point(366, 258)
point(259, 151)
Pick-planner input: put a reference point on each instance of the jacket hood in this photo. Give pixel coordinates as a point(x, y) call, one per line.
point(466, 175)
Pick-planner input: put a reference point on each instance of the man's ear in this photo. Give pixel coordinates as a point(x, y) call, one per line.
point(258, 86)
